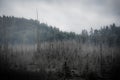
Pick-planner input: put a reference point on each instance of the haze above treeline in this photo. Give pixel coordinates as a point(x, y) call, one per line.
point(72, 15)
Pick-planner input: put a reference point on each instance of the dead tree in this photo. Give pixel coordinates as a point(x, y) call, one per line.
point(101, 59)
point(66, 71)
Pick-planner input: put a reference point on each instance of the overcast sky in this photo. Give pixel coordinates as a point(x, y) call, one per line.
point(67, 15)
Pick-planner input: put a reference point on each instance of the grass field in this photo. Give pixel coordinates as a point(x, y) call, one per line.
point(61, 60)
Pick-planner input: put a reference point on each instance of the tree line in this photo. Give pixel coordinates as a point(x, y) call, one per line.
point(21, 30)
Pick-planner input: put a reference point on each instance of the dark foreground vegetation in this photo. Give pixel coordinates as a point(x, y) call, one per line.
point(30, 50)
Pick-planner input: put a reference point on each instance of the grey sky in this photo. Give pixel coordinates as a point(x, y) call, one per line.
point(68, 15)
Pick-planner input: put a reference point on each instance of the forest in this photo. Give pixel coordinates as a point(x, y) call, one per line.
point(32, 50)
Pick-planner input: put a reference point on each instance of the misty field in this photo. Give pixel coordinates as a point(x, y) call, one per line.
point(60, 60)
point(31, 50)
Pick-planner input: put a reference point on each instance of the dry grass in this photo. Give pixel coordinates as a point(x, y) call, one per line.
point(83, 59)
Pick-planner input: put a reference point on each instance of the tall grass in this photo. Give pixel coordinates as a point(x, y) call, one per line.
point(85, 60)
